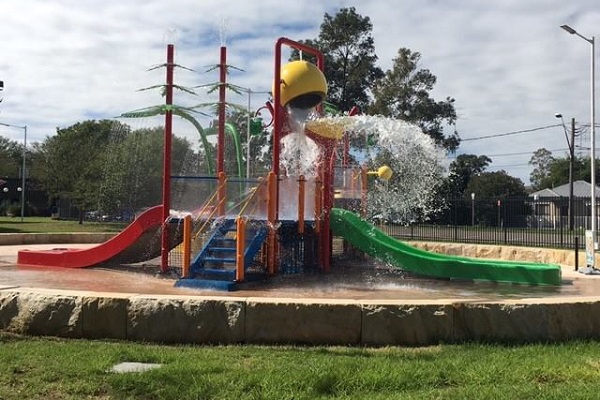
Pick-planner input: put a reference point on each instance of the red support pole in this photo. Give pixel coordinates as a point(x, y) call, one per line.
point(221, 122)
point(166, 192)
point(278, 111)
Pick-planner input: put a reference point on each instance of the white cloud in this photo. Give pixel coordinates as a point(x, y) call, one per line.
point(506, 62)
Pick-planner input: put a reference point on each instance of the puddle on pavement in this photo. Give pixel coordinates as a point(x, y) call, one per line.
point(344, 282)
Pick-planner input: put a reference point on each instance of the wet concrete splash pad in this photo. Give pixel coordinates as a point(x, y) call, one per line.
point(351, 306)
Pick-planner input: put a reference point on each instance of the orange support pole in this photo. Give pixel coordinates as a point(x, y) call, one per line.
point(240, 249)
point(221, 198)
point(301, 190)
point(187, 246)
point(363, 190)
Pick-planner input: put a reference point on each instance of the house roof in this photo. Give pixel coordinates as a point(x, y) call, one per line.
point(580, 189)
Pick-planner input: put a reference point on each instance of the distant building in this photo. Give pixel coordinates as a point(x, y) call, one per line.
point(551, 206)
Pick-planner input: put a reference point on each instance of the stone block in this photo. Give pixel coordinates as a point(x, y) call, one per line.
point(303, 322)
point(104, 317)
point(574, 320)
point(9, 308)
point(46, 314)
point(406, 324)
point(502, 322)
point(185, 320)
point(487, 252)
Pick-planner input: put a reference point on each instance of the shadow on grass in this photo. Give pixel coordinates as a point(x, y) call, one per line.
point(10, 230)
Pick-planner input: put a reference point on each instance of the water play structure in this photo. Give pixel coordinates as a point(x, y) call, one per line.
point(239, 230)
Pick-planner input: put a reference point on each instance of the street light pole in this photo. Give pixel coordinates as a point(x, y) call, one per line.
point(24, 165)
point(248, 130)
point(571, 144)
point(592, 127)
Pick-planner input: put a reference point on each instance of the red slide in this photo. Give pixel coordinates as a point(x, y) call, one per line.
point(139, 241)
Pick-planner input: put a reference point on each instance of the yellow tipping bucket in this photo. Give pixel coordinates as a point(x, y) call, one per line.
point(303, 85)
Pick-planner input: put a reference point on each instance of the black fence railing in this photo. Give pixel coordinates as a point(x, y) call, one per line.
point(529, 221)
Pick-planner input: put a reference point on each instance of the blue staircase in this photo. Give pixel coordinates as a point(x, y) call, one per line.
point(215, 265)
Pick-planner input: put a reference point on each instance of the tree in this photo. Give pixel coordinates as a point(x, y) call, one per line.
point(541, 161)
point(497, 185)
point(403, 93)
point(133, 168)
point(104, 165)
point(461, 171)
point(347, 44)
point(73, 161)
point(11, 157)
point(260, 151)
point(494, 186)
point(558, 171)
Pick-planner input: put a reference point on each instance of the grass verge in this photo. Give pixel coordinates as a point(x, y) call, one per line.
point(48, 225)
point(36, 368)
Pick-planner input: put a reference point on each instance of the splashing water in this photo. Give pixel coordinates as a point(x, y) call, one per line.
point(299, 154)
point(413, 156)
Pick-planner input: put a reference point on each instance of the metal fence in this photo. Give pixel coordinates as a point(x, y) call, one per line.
point(528, 221)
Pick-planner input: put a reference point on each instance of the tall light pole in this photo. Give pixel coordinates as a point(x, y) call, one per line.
point(24, 164)
point(592, 127)
point(248, 120)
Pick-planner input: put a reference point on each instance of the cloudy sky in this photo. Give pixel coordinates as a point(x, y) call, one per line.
point(506, 62)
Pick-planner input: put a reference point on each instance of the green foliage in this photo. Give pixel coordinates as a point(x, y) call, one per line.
point(104, 165)
point(9, 208)
point(347, 43)
point(403, 93)
point(497, 185)
point(11, 157)
point(461, 171)
point(550, 171)
point(541, 161)
point(73, 161)
point(260, 156)
point(133, 169)
point(353, 78)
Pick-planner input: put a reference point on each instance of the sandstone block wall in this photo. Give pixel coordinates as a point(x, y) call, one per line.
point(191, 319)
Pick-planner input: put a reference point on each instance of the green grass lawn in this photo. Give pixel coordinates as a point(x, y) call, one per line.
point(47, 225)
point(47, 368)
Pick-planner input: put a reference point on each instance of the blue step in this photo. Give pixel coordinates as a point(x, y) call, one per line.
point(220, 273)
point(218, 259)
point(226, 286)
point(223, 249)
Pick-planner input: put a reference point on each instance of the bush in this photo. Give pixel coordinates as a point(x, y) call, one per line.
point(10, 209)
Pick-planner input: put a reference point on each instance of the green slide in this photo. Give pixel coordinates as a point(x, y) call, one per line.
point(366, 237)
